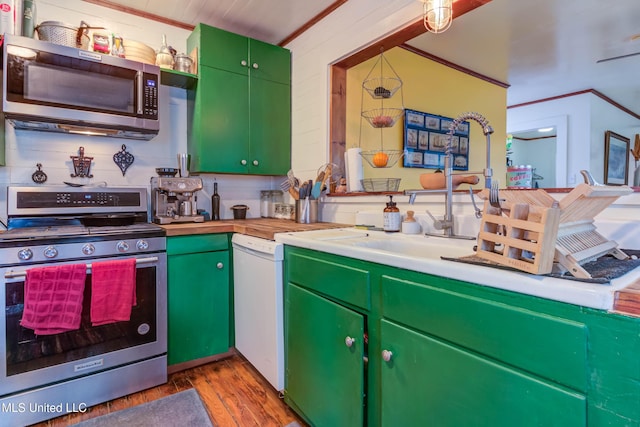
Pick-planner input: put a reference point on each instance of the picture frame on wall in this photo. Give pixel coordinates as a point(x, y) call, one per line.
point(425, 141)
point(616, 158)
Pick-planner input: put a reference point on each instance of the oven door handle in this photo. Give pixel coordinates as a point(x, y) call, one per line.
point(16, 274)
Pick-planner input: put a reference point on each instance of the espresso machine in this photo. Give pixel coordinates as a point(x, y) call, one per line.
point(174, 199)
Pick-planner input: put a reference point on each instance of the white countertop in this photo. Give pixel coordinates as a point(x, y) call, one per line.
point(428, 250)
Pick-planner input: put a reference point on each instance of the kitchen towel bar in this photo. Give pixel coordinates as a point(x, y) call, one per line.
point(16, 274)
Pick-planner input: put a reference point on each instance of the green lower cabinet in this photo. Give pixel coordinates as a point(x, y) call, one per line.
point(198, 297)
point(442, 352)
point(428, 382)
point(325, 368)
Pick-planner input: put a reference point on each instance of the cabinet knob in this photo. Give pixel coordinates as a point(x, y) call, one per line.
point(349, 341)
point(255, 163)
point(243, 162)
point(220, 265)
point(255, 65)
point(243, 63)
point(386, 355)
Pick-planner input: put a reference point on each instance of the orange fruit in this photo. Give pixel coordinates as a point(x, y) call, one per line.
point(380, 159)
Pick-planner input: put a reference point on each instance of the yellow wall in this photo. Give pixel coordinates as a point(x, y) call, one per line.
point(431, 88)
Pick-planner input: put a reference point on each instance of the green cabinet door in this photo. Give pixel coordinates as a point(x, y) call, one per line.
point(269, 62)
point(218, 132)
point(220, 49)
point(324, 375)
point(239, 113)
point(198, 305)
point(270, 143)
point(431, 382)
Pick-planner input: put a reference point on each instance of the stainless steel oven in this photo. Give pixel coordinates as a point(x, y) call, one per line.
point(45, 376)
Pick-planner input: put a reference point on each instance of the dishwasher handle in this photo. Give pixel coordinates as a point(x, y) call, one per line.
point(272, 256)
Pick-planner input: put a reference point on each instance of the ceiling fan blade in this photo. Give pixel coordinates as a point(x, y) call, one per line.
point(617, 57)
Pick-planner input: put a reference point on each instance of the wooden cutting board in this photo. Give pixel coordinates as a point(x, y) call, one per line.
point(258, 227)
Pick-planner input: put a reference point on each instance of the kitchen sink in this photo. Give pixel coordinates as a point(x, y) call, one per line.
point(426, 247)
point(423, 254)
point(352, 241)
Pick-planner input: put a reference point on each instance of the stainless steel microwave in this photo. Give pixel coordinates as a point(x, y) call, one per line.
point(55, 88)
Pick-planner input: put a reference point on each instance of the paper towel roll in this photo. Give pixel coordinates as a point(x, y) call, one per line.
point(353, 169)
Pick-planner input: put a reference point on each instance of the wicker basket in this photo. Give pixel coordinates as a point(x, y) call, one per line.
point(64, 34)
point(380, 184)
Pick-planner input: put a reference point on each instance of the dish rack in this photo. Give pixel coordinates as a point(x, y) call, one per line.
point(578, 242)
point(527, 235)
point(540, 235)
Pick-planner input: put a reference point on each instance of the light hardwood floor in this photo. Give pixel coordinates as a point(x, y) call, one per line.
point(234, 393)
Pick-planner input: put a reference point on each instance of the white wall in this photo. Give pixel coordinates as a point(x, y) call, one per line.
point(348, 29)
point(24, 149)
point(606, 117)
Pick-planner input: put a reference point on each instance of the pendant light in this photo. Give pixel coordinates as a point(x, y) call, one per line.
point(437, 15)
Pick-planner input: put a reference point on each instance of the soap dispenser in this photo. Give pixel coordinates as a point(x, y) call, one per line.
point(392, 218)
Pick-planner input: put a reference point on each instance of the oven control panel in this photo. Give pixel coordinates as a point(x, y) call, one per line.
point(74, 200)
point(30, 254)
point(85, 198)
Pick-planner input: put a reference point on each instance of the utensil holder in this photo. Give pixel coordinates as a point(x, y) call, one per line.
point(306, 211)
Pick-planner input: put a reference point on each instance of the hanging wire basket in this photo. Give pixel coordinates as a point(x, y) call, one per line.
point(383, 117)
point(380, 184)
point(382, 158)
point(382, 87)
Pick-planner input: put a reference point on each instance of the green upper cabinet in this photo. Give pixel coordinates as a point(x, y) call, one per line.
point(239, 115)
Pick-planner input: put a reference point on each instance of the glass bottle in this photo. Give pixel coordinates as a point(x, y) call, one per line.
point(215, 203)
point(392, 218)
point(28, 17)
point(164, 58)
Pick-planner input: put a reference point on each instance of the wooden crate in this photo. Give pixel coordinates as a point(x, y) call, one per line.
point(524, 239)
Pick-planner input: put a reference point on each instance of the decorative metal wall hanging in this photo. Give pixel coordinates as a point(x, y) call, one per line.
point(81, 165)
point(39, 177)
point(123, 159)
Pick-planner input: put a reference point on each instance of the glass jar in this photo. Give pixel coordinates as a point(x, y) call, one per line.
point(275, 196)
point(183, 63)
point(265, 203)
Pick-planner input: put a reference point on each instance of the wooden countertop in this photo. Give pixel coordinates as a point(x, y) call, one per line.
point(258, 227)
point(628, 300)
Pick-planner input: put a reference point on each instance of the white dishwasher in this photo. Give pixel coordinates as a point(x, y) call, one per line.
point(258, 301)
